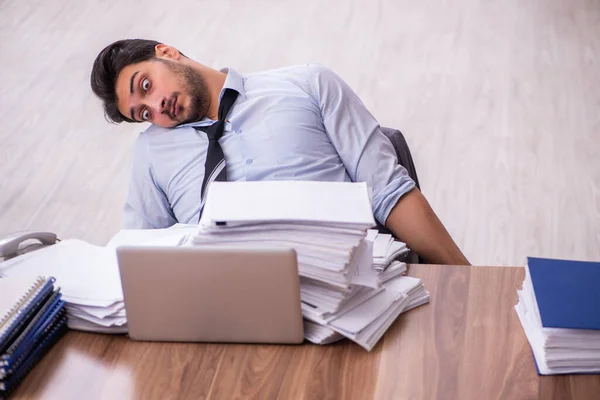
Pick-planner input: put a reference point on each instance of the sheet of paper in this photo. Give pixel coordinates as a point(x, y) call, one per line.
point(106, 321)
point(372, 234)
point(381, 245)
point(403, 284)
point(166, 241)
point(82, 270)
point(366, 275)
point(117, 309)
point(87, 326)
point(333, 232)
point(140, 236)
point(364, 295)
point(371, 335)
point(340, 203)
point(361, 316)
point(330, 243)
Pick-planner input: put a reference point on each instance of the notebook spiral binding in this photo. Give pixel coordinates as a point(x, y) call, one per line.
point(55, 334)
point(21, 303)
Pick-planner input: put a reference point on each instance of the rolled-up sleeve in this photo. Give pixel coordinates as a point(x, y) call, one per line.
point(146, 206)
point(366, 152)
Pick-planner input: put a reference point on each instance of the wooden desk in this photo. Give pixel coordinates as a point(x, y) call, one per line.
point(467, 343)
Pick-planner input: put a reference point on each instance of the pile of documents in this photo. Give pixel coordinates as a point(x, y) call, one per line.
point(89, 279)
point(386, 253)
point(367, 316)
point(559, 309)
point(327, 224)
point(358, 313)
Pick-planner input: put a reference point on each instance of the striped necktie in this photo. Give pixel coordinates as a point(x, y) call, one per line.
point(214, 169)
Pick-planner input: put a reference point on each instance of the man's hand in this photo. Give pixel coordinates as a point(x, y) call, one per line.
point(414, 222)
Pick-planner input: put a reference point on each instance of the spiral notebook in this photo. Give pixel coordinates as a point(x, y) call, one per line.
point(10, 383)
point(32, 318)
point(18, 303)
point(33, 334)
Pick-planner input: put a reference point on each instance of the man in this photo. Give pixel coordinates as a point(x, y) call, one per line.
point(301, 123)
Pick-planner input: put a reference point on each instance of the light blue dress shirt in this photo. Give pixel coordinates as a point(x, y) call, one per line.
point(294, 123)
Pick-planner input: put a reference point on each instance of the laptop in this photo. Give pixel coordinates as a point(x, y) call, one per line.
point(211, 294)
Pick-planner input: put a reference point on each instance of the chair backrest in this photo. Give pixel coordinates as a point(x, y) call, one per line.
point(405, 159)
point(402, 152)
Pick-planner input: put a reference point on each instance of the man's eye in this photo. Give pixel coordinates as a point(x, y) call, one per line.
point(145, 115)
point(145, 84)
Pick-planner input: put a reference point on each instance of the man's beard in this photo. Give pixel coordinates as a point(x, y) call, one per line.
point(196, 89)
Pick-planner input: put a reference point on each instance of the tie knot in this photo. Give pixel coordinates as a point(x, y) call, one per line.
point(216, 130)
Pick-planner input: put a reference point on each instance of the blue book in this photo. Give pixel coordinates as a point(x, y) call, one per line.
point(567, 292)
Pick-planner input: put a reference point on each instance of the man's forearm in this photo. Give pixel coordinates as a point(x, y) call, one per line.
point(414, 222)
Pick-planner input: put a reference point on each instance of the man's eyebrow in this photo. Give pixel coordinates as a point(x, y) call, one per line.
point(132, 117)
point(131, 81)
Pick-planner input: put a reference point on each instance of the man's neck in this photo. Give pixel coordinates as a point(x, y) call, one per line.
point(215, 80)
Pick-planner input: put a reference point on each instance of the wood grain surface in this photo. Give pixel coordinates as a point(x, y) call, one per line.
point(467, 343)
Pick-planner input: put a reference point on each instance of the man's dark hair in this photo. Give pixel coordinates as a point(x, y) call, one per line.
point(107, 66)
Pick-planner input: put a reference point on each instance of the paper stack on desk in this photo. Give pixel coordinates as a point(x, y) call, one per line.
point(326, 223)
point(385, 249)
point(386, 253)
point(89, 279)
point(559, 309)
point(359, 319)
point(363, 319)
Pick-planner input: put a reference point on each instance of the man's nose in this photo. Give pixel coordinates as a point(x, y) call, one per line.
point(160, 104)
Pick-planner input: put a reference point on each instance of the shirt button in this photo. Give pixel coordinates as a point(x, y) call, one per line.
point(238, 131)
point(249, 161)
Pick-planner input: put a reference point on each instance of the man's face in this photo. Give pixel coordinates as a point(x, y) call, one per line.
point(164, 92)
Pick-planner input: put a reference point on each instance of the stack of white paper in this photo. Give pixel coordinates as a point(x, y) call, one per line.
point(369, 312)
point(89, 279)
point(327, 224)
point(561, 350)
point(320, 334)
point(385, 249)
point(368, 315)
point(395, 269)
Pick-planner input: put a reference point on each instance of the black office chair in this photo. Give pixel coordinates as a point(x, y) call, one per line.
point(405, 159)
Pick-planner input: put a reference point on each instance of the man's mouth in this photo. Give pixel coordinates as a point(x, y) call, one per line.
point(174, 108)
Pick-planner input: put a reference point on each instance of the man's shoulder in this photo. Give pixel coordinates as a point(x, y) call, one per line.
point(153, 138)
point(306, 77)
point(155, 132)
point(306, 69)
point(145, 137)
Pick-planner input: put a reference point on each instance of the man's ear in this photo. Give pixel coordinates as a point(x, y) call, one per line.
point(167, 52)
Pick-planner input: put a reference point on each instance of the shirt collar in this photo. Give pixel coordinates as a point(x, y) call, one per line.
point(233, 81)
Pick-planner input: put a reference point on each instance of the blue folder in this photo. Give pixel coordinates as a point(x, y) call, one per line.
point(567, 292)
